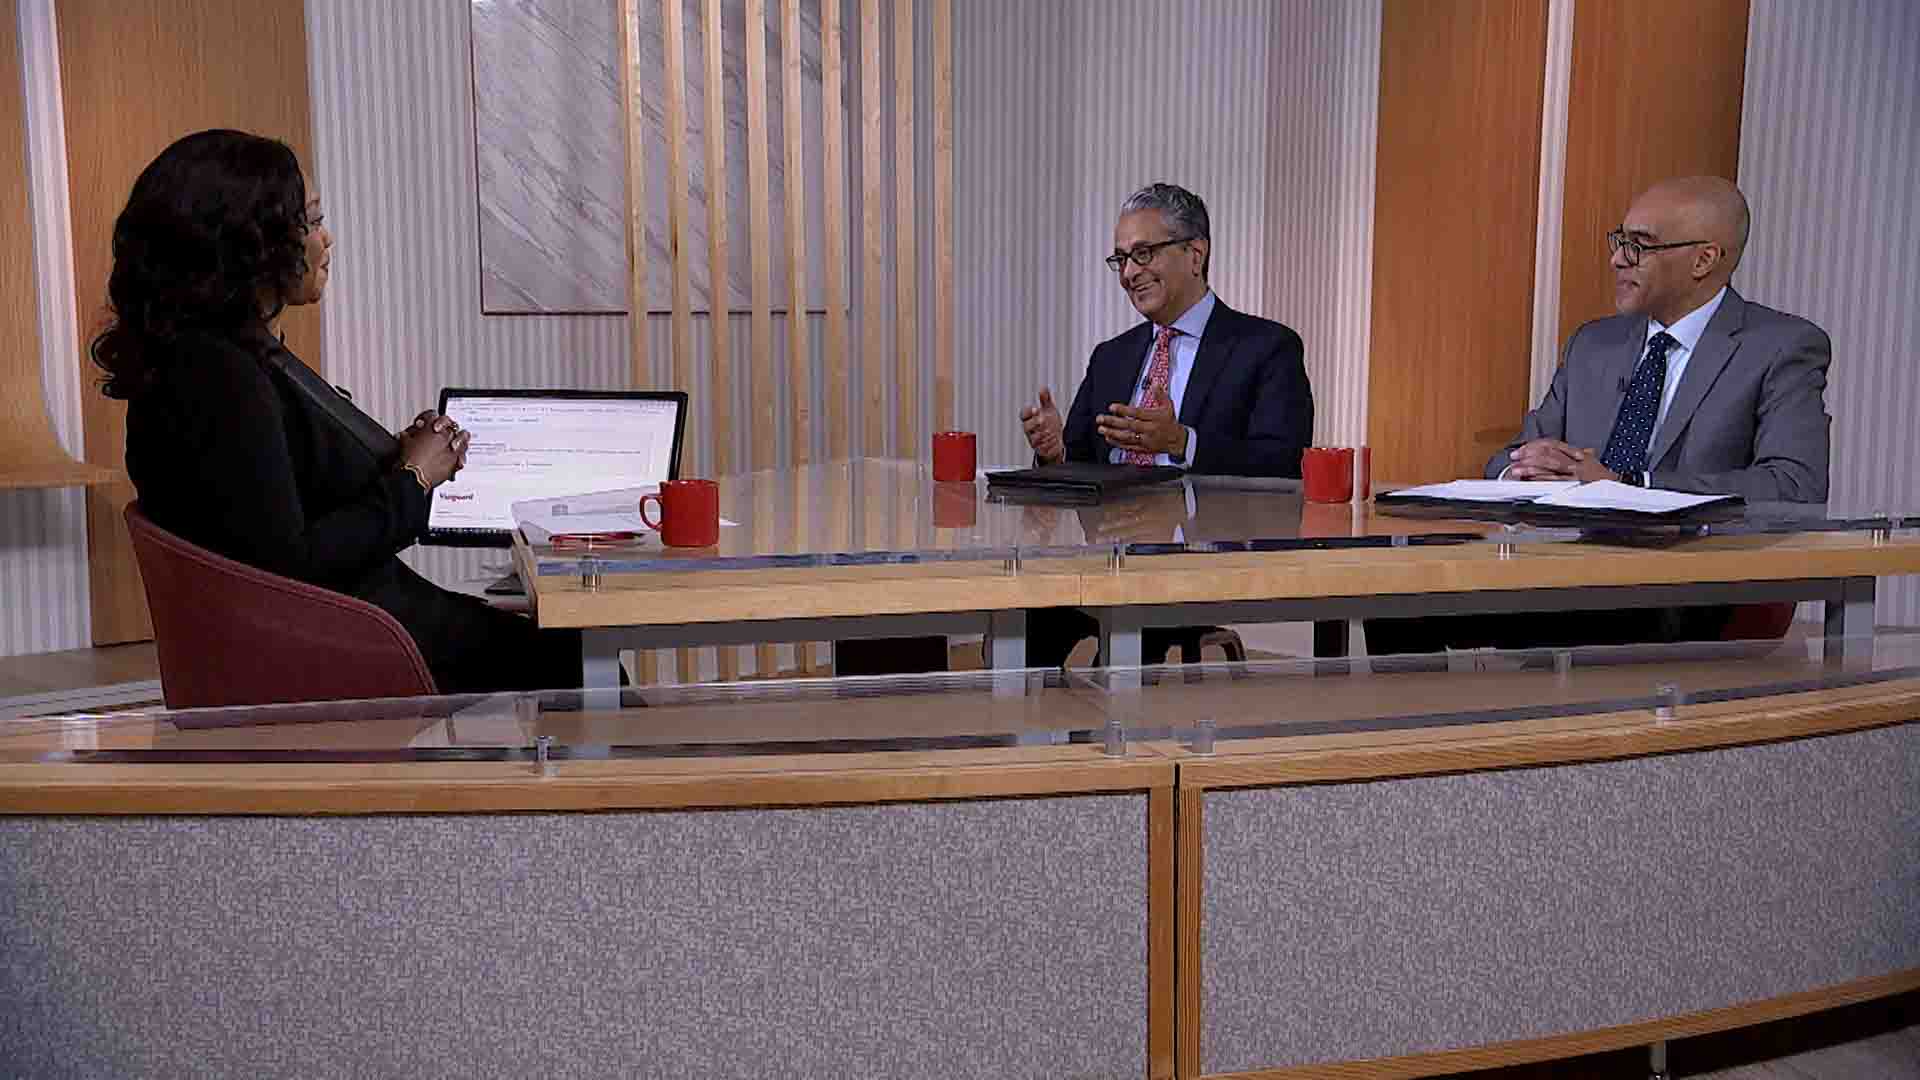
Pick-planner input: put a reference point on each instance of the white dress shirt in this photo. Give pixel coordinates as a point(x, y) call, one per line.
point(1182, 350)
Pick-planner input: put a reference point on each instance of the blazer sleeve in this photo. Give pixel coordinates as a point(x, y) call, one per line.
point(1548, 420)
point(1279, 425)
point(1792, 431)
point(233, 433)
point(1078, 434)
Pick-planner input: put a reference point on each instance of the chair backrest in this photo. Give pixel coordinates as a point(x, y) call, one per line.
point(230, 634)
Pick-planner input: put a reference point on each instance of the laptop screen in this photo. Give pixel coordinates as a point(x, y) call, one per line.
point(534, 444)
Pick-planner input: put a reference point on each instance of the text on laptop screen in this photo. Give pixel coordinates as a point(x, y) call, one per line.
point(537, 448)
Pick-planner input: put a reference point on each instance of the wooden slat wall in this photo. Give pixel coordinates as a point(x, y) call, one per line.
point(28, 448)
point(1454, 216)
point(906, 259)
point(878, 156)
point(873, 206)
point(135, 77)
point(1656, 92)
point(942, 215)
point(834, 161)
point(799, 361)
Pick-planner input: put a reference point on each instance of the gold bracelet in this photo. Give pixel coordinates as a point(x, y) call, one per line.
point(418, 474)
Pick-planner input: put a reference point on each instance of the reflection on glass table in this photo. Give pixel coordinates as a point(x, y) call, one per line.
point(1111, 708)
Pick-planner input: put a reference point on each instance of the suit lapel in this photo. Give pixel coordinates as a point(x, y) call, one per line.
point(1710, 356)
point(1622, 358)
point(1209, 360)
point(1134, 355)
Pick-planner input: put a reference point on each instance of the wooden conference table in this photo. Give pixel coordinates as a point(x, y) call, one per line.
point(875, 548)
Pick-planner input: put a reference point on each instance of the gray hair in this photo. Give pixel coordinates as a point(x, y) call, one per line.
point(1186, 215)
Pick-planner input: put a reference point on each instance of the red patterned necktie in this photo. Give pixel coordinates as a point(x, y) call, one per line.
point(1153, 392)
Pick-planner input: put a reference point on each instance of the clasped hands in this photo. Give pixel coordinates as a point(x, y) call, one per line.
point(1551, 459)
point(436, 445)
point(1151, 428)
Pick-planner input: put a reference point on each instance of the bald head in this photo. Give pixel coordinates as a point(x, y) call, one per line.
point(1692, 231)
point(1706, 208)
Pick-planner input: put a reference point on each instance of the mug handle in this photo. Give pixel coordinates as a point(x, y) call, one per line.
point(652, 524)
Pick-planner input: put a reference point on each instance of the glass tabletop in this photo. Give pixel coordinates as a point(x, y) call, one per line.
point(877, 511)
point(1113, 708)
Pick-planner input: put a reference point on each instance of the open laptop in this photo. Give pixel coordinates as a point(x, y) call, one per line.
point(534, 444)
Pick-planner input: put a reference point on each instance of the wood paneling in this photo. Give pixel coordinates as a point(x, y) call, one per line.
point(942, 215)
point(1161, 860)
point(659, 784)
point(1458, 166)
point(135, 77)
point(799, 355)
point(906, 245)
point(873, 207)
point(30, 453)
point(833, 150)
point(760, 233)
point(635, 135)
point(1655, 92)
point(720, 357)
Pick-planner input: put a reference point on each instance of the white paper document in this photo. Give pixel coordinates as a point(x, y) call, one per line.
point(1613, 495)
point(1492, 491)
point(540, 520)
point(1565, 494)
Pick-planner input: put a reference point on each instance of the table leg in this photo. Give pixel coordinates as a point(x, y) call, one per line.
point(1119, 636)
point(1849, 624)
point(600, 668)
point(1007, 639)
point(1332, 639)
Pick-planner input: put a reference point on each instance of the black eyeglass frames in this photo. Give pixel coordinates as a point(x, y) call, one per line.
point(1618, 240)
point(1141, 254)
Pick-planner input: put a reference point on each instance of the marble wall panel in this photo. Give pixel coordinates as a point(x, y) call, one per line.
point(550, 155)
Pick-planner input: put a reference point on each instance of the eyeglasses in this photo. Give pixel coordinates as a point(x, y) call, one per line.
point(1618, 239)
point(1141, 254)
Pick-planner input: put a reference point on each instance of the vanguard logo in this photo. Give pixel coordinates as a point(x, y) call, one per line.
point(445, 497)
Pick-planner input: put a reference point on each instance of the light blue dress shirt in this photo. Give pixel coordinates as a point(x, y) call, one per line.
point(1184, 347)
point(1686, 330)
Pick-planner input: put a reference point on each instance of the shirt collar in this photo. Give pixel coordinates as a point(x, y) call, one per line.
point(1688, 328)
point(1194, 322)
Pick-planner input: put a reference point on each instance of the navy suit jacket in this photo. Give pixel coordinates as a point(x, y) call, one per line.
point(1247, 398)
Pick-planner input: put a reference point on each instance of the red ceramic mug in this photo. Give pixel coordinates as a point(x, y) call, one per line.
point(954, 457)
point(689, 513)
point(1328, 473)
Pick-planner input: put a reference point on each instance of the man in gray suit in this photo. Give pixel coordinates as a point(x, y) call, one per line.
point(1690, 387)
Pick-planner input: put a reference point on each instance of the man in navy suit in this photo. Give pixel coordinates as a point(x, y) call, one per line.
point(1198, 385)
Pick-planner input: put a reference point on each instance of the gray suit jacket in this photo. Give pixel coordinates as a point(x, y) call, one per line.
point(1749, 417)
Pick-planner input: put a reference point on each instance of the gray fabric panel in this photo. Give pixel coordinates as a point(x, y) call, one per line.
point(996, 938)
point(1370, 920)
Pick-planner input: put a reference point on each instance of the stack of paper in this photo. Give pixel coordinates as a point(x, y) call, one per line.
point(1493, 491)
point(1563, 494)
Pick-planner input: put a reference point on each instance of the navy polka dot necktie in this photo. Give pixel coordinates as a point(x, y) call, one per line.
point(1626, 451)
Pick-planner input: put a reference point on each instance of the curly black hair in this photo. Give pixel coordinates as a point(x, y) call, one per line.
point(213, 237)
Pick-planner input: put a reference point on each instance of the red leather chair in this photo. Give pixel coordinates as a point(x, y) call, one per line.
point(1758, 622)
point(229, 634)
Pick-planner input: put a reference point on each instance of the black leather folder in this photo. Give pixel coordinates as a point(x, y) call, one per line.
point(1075, 482)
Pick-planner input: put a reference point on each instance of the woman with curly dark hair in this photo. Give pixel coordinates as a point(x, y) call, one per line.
point(237, 446)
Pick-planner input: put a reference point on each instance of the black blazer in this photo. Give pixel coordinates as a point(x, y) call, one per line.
point(1247, 397)
point(228, 454)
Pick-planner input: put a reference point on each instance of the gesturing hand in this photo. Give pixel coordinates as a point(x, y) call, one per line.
point(1150, 428)
point(436, 445)
point(1042, 425)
